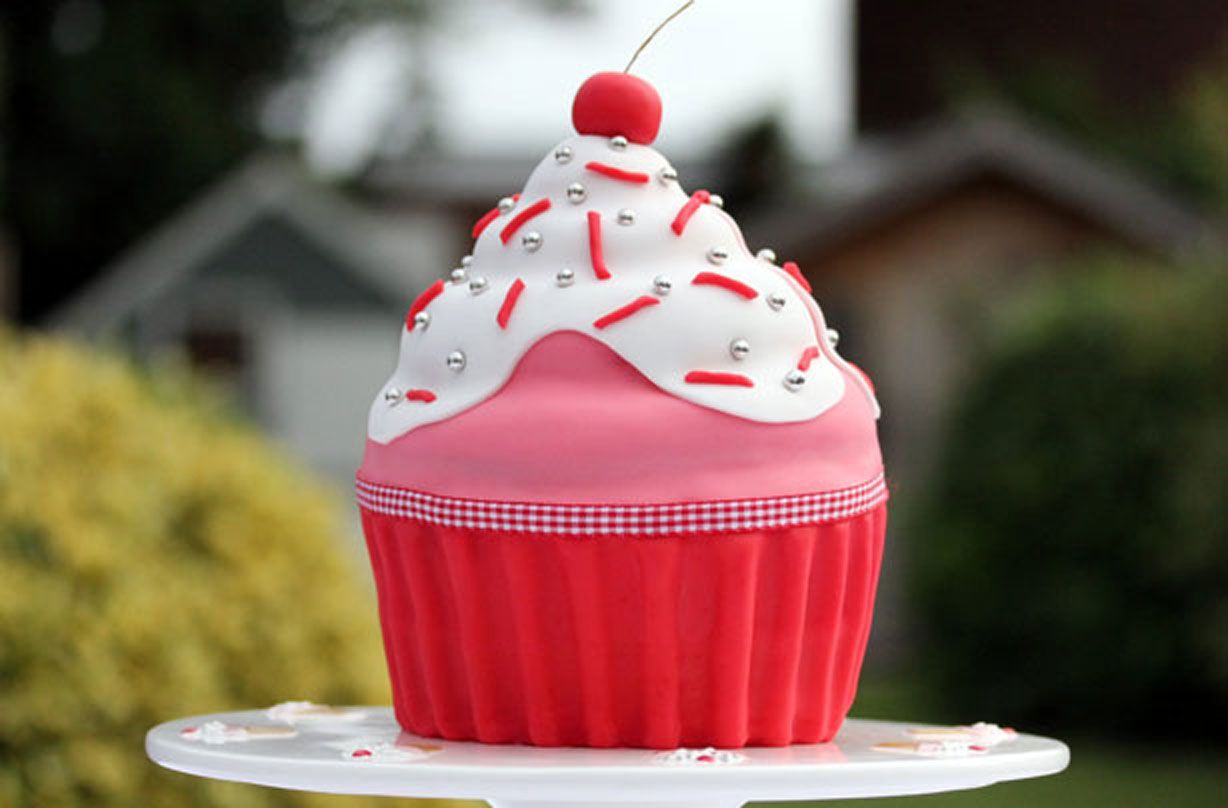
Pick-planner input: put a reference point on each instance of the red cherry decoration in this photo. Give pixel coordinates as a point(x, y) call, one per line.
point(612, 104)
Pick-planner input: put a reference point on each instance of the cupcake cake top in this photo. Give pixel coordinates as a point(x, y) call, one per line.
point(604, 242)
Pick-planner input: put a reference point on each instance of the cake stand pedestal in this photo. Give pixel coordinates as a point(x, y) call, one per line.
point(362, 751)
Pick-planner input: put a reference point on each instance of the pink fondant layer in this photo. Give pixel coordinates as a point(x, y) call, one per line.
point(577, 423)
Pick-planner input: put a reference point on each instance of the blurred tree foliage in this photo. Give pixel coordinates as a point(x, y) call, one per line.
point(115, 112)
point(1180, 143)
point(156, 560)
point(1072, 567)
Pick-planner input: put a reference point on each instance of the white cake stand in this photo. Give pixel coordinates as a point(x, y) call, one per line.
point(364, 752)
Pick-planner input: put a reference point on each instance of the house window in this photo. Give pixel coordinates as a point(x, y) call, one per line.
point(218, 351)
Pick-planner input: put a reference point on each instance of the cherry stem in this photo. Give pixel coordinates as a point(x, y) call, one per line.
point(654, 33)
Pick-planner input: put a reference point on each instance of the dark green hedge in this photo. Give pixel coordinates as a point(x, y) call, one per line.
point(1071, 564)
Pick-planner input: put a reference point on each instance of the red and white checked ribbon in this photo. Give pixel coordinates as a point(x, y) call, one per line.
point(720, 516)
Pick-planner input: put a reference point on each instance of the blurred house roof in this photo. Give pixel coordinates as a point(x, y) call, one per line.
point(1128, 58)
point(882, 180)
point(416, 212)
point(269, 198)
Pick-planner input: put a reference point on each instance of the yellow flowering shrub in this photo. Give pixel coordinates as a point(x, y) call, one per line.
point(157, 559)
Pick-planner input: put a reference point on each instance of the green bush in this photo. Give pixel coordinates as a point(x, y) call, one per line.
point(1072, 564)
point(157, 559)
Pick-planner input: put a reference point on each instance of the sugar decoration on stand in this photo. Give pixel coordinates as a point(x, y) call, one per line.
point(604, 242)
point(958, 741)
point(296, 712)
point(216, 733)
point(933, 749)
point(380, 751)
point(709, 756)
point(981, 733)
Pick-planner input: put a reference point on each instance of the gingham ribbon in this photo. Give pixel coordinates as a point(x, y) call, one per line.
point(720, 516)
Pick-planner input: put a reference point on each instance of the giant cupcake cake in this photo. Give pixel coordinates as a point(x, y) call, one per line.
point(621, 490)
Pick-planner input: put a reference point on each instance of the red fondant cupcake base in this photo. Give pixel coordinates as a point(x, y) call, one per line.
point(728, 640)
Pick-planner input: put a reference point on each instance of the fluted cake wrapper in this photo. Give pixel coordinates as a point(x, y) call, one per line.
point(728, 640)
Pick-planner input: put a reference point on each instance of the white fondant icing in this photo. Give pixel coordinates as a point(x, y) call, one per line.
point(689, 329)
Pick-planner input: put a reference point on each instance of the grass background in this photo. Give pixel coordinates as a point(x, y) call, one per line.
point(1102, 772)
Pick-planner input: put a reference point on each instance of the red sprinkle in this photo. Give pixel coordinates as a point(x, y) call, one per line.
point(433, 291)
point(615, 173)
point(361, 753)
point(725, 282)
point(489, 217)
point(713, 377)
point(595, 251)
point(509, 302)
point(425, 396)
point(642, 302)
point(688, 210)
point(792, 268)
point(482, 223)
point(808, 356)
point(536, 209)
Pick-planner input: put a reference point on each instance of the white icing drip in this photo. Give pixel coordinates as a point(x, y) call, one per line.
point(691, 328)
